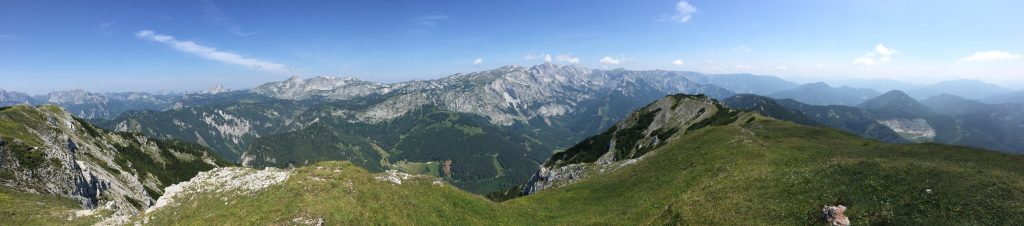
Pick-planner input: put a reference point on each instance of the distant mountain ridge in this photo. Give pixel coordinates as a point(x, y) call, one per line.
point(967, 88)
point(896, 117)
point(820, 93)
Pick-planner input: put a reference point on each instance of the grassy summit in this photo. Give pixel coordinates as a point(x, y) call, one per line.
point(761, 172)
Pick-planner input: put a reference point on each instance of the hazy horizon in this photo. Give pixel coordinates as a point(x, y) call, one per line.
point(254, 83)
point(118, 46)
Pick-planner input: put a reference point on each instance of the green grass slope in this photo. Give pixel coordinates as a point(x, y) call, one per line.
point(22, 208)
point(765, 172)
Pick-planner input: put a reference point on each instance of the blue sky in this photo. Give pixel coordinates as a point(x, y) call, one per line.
point(189, 45)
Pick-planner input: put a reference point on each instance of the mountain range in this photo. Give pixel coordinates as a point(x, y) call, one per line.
point(531, 112)
point(680, 160)
point(820, 93)
point(541, 137)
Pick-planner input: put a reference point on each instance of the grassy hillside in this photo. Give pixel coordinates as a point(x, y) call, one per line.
point(762, 172)
point(21, 208)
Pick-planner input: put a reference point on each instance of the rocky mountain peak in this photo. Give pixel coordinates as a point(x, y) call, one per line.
point(75, 96)
point(12, 98)
point(215, 89)
point(333, 87)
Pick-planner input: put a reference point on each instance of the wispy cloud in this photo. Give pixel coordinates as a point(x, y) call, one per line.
point(531, 56)
point(677, 62)
point(218, 17)
point(211, 53)
point(104, 29)
point(430, 20)
point(8, 37)
point(881, 54)
point(428, 24)
point(684, 11)
point(866, 61)
point(478, 61)
point(742, 49)
point(991, 56)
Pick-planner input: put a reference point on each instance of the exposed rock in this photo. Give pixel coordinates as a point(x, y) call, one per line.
point(916, 129)
point(835, 215)
point(57, 154)
point(393, 176)
point(630, 140)
point(230, 180)
point(308, 221)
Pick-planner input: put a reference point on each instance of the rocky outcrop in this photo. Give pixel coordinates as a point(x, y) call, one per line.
point(633, 138)
point(226, 180)
point(835, 215)
point(48, 151)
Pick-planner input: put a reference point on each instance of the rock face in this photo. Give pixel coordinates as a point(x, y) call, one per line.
point(295, 88)
point(46, 150)
point(506, 95)
point(628, 141)
point(226, 180)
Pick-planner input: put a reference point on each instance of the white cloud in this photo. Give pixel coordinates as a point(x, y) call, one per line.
point(881, 54)
point(211, 53)
point(214, 15)
point(990, 56)
point(610, 60)
point(478, 61)
point(677, 62)
point(882, 50)
point(684, 11)
point(564, 58)
point(819, 65)
point(548, 58)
